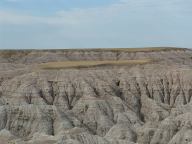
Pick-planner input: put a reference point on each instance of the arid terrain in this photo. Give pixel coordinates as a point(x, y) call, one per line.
point(96, 96)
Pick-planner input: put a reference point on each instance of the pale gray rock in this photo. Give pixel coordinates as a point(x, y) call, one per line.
point(128, 104)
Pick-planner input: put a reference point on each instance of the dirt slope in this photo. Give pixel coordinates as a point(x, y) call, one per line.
point(126, 103)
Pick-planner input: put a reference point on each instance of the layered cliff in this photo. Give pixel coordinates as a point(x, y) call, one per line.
point(128, 103)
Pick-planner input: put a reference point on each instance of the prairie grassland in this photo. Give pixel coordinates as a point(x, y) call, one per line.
point(9, 53)
point(91, 63)
point(131, 50)
point(13, 53)
point(146, 49)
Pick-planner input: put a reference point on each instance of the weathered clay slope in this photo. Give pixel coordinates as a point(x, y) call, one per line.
point(39, 56)
point(137, 104)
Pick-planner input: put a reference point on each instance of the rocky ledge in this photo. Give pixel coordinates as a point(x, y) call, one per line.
point(139, 103)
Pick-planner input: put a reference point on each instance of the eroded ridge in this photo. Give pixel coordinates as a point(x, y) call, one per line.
point(130, 104)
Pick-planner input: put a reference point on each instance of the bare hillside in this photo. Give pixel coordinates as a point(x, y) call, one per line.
point(96, 96)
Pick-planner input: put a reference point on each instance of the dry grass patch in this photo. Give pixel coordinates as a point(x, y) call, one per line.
point(146, 49)
point(88, 63)
point(13, 53)
point(22, 53)
point(131, 50)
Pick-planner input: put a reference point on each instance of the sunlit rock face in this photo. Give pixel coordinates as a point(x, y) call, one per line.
point(149, 103)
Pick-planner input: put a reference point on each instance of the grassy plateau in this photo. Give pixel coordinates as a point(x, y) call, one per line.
point(87, 64)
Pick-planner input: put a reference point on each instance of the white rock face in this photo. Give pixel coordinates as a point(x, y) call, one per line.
point(130, 104)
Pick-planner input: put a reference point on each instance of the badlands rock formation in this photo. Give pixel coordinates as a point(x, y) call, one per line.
point(144, 103)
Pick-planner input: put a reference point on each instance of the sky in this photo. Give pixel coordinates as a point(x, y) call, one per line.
point(43, 24)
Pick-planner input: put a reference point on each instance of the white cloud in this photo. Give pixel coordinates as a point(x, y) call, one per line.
point(77, 16)
point(72, 16)
point(13, 18)
point(128, 23)
point(12, 0)
point(8, 17)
